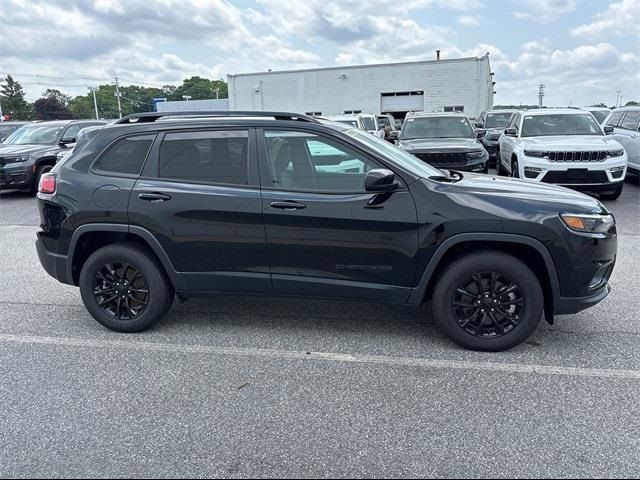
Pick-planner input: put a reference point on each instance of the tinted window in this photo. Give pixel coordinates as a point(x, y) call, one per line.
point(497, 120)
point(615, 118)
point(301, 161)
point(599, 114)
point(126, 155)
point(630, 120)
point(214, 156)
point(515, 121)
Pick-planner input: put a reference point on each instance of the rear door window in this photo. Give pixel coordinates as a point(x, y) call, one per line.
point(630, 120)
point(216, 156)
point(615, 119)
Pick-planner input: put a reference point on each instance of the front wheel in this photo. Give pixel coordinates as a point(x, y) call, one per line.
point(613, 195)
point(515, 172)
point(488, 301)
point(124, 288)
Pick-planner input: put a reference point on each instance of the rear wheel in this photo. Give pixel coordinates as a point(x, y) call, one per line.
point(488, 301)
point(614, 195)
point(124, 288)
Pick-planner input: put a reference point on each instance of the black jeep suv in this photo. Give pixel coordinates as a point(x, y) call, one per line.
point(281, 204)
point(32, 150)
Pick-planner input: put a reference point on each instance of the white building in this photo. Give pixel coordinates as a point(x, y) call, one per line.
point(440, 85)
point(193, 105)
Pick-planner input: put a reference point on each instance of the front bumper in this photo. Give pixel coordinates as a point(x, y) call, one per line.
point(16, 176)
point(569, 306)
point(589, 176)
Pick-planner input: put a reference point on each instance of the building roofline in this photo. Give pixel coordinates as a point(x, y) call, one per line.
point(351, 67)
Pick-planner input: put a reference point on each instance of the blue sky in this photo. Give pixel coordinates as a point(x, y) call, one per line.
point(583, 50)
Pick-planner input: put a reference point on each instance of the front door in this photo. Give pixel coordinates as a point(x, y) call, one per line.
point(199, 196)
point(326, 235)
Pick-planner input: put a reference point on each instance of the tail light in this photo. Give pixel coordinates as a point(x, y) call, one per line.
point(47, 183)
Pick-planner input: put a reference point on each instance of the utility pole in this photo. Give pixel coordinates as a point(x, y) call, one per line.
point(117, 94)
point(618, 98)
point(217, 93)
point(95, 101)
point(540, 94)
point(1, 114)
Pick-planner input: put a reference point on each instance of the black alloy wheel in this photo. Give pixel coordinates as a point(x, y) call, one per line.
point(488, 305)
point(121, 291)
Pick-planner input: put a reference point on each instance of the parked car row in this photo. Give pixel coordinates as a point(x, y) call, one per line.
point(33, 149)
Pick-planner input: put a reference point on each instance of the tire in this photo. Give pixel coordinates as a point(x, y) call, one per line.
point(515, 172)
point(489, 332)
point(106, 270)
point(42, 169)
point(612, 195)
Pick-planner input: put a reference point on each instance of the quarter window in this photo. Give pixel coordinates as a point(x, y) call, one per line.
point(126, 156)
point(302, 161)
point(212, 157)
point(630, 120)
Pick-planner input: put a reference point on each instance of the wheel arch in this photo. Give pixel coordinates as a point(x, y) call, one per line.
point(88, 238)
point(529, 250)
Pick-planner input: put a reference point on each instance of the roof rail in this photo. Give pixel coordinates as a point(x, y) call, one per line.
point(154, 116)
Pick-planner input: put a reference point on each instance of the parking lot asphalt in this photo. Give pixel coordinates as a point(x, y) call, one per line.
point(257, 387)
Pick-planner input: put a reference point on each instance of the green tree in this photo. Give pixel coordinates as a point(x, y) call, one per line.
point(632, 103)
point(199, 88)
point(603, 105)
point(12, 100)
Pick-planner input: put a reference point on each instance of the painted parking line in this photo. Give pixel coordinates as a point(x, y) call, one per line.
point(426, 363)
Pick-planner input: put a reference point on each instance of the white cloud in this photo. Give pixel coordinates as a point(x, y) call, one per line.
point(545, 10)
point(468, 21)
point(622, 18)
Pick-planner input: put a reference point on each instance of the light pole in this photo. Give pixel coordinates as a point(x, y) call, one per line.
point(95, 101)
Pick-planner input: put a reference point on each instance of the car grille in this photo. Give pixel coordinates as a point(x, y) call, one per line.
point(592, 156)
point(456, 158)
point(575, 176)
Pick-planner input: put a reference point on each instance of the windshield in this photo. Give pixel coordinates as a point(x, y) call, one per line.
point(369, 123)
point(498, 120)
point(437, 127)
point(38, 134)
point(599, 114)
point(560, 124)
point(396, 155)
point(351, 123)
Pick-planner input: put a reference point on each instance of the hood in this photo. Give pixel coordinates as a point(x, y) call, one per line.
point(493, 194)
point(39, 150)
point(441, 145)
point(568, 142)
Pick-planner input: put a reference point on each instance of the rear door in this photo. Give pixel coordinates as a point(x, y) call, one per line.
point(199, 196)
point(326, 235)
point(627, 134)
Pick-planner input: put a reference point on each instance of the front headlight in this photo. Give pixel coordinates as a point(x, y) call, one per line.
point(475, 155)
point(533, 153)
point(24, 158)
point(588, 223)
point(616, 153)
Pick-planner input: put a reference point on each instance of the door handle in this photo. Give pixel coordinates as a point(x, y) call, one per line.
point(288, 205)
point(154, 197)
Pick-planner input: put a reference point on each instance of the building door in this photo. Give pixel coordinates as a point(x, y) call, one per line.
point(402, 102)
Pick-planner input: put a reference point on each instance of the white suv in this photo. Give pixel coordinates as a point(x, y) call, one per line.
point(566, 147)
point(626, 124)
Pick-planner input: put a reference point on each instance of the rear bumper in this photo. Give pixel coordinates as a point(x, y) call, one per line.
point(568, 306)
point(54, 264)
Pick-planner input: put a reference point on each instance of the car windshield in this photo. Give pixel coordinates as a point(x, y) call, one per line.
point(38, 134)
point(560, 124)
point(437, 127)
point(393, 153)
point(599, 114)
point(369, 123)
point(498, 120)
point(351, 123)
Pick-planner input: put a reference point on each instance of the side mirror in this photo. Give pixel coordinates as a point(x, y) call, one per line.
point(511, 132)
point(3, 139)
point(479, 124)
point(68, 141)
point(380, 180)
point(608, 129)
point(481, 132)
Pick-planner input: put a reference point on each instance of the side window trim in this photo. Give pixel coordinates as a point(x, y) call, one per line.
point(96, 171)
point(265, 165)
